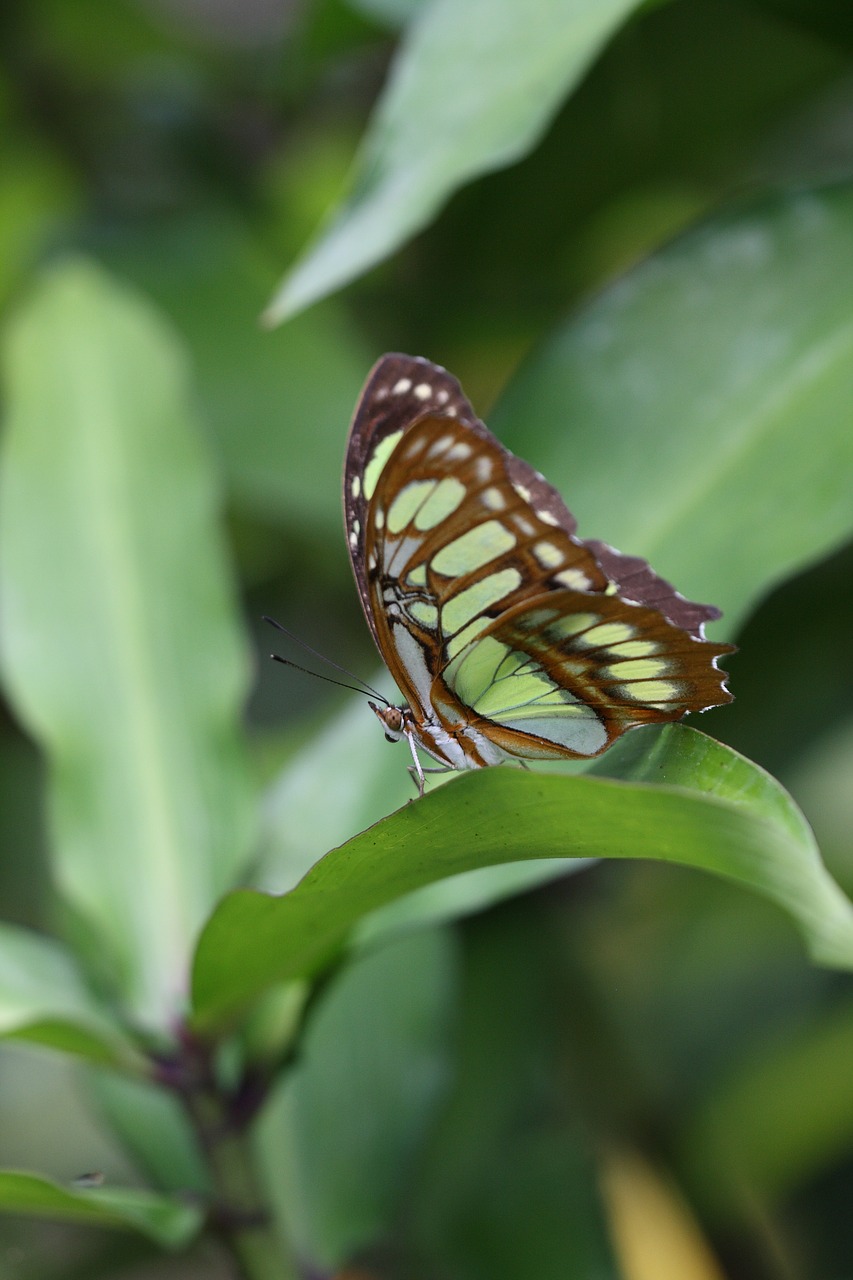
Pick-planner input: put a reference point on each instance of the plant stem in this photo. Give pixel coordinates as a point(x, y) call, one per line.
point(222, 1123)
point(244, 1227)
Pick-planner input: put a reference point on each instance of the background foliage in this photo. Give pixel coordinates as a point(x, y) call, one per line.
point(628, 228)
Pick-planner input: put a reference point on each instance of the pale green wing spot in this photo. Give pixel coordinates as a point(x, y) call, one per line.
point(473, 549)
point(376, 465)
point(407, 502)
point(474, 671)
point(474, 600)
point(571, 624)
point(578, 729)
point(426, 614)
point(417, 577)
point(446, 497)
point(652, 693)
point(520, 695)
point(636, 648)
point(464, 637)
point(609, 633)
point(637, 669)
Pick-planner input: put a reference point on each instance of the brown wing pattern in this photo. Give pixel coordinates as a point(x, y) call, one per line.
point(453, 543)
point(400, 390)
point(565, 674)
point(454, 539)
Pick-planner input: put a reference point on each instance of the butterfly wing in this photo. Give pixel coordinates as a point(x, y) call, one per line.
point(565, 674)
point(454, 543)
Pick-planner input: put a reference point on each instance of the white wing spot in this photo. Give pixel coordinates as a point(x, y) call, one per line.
point(372, 561)
point(442, 396)
point(548, 555)
point(353, 538)
point(423, 391)
point(356, 527)
point(459, 452)
point(547, 518)
point(493, 499)
point(522, 491)
point(442, 444)
point(355, 487)
point(401, 387)
point(573, 578)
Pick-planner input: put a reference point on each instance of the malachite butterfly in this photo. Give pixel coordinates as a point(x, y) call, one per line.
point(508, 636)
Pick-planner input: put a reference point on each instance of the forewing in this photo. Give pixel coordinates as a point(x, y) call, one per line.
point(452, 542)
point(566, 674)
point(399, 390)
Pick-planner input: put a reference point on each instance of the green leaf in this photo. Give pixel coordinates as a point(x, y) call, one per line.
point(276, 404)
point(710, 808)
point(119, 643)
point(43, 999)
point(735, 1139)
point(473, 89)
point(298, 825)
point(162, 1218)
point(698, 412)
point(341, 1136)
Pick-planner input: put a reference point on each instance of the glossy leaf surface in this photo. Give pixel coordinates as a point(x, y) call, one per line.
point(707, 808)
point(473, 89)
point(120, 647)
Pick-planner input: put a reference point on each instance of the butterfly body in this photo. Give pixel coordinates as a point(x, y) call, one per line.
point(508, 635)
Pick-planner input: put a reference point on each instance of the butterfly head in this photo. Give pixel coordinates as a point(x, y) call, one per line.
point(394, 720)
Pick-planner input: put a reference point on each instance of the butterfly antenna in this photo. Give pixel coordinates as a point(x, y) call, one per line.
point(286, 662)
point(366, 688)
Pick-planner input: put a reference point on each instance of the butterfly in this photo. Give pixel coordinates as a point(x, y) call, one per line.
point(508, 636)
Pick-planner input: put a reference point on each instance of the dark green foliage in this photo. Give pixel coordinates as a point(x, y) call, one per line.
point(445, 1055)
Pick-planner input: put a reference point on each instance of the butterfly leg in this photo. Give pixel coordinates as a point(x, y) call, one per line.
point(417, 772)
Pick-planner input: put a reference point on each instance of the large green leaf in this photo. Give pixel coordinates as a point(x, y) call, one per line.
point(698, 412)
point(119, 643)
point(474, 87)
point(165, 1219)
point(707, 807)
point(341, 1135)
point(735, 1140)
point(277, 404)
point(43, 999)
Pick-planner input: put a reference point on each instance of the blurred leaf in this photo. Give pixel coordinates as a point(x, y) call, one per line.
point(43, 999)
point(36, 195)
point(163, 1219)
point(119, 642)
point(712, 809)
point(341, 1135)
point(473, 89)
point(153, 1128)
point(776, 1119)
point(393, 13)
point(506, 1186)
point(278, 404)
point(707, 400)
